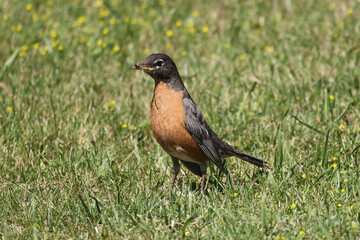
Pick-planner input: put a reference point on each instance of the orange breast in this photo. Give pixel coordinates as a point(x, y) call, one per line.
point(167, 122)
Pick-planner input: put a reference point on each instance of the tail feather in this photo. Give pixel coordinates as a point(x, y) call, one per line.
point(226, 150)
point(248, 158)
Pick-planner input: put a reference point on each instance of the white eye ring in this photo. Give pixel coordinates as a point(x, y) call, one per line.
point(158, 63)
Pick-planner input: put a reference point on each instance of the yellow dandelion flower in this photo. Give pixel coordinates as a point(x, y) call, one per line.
point(256, 195)
point(242, 58)
point(203, 235)
point(19, 28)
point(105, 31)
point(178, 23)
point(28, 6)
point(187, 233)
point(341, 126)
point(323, 236)
point(116, 48)
point(103, 12)
point(192, 30)
point(269, 49)
point(341, 24)
point(351, 165)
point(293, 206)
point(112, 21)
point(36, 46)
point(111, 103)
point(60, 47)
point(9, 109)
point(345, 180)
point(35, 17)
point(204, 29)
point(334, 165)
point(183, 53)
point(235, 194)
point(99, 42)
point(79, 21)
point(162, 2)
point(53, 34)
point(44, 51)
point(352, 207)
point(5, 17)
point(195, 13)
point(82, 39)
point(22, 53)
point(342, 190)
point(124, 126)
point(168, 45)
point(169, 33)
point(99, 3)
point(37, 225)
point(339, 205)
point(334, 158)
point(358, 128)
point(331, 191)
point(354, 225)
point(332, 97)
point(54, 44)
point(302, 233)
point(350, 11)
point(277, 237)
point(303, 176)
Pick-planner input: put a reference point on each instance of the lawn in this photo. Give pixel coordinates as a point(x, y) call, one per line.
point(280, 80)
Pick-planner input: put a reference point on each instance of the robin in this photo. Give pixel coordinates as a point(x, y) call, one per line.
point(179, 126)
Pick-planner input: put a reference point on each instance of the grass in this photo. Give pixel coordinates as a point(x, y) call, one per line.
point(279, 80)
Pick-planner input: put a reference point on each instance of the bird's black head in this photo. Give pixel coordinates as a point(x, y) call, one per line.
point(160, 67)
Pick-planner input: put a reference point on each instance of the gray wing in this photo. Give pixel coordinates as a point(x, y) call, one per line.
point(200, 131)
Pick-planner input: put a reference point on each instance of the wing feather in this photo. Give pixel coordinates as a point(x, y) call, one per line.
point(200, 131)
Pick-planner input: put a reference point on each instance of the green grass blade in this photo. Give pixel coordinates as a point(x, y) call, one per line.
point(8, 62)
point(324, 159)
point(308, 126)
point(186, 224)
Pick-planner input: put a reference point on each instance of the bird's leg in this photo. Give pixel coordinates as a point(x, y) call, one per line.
point(203, 181)
point(203, 167)
point(176, 167)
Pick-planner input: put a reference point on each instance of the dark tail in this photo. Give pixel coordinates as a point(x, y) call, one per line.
point(226, 150)
point(246, 157)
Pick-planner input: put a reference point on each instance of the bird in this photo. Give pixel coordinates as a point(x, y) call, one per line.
point(179, 126)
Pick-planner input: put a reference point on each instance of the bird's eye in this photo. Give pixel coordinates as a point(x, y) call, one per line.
point(159, 63)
